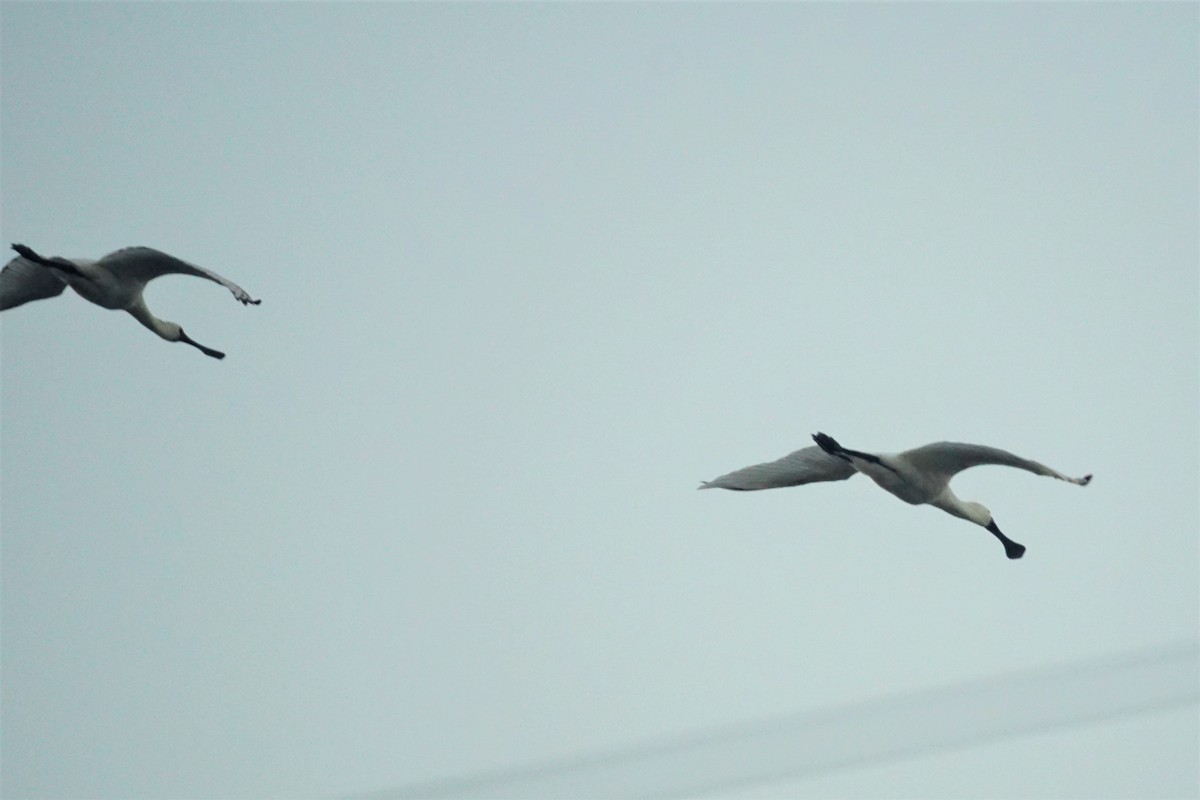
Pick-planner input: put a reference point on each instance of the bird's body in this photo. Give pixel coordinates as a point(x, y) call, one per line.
point(115, 282)
point(918, 476)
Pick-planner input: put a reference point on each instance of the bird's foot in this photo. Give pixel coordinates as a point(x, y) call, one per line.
point(827, 443)
point(27, 253)
point(60, 263)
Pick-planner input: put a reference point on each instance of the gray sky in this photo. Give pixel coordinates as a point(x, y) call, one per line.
point(529, 273)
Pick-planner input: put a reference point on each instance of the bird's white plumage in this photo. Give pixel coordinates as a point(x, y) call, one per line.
point(144, 264)
point(22, 281)
point(918, 476)
point(807, 465)
point(116, 282)
point(950, 458)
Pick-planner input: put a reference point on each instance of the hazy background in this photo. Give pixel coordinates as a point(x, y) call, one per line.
point(529, 273)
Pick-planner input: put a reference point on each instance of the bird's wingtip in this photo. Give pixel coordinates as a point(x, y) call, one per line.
point(1085, 480)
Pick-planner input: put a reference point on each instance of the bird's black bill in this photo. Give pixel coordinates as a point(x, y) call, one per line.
point(1011, 548)
point(208, 351)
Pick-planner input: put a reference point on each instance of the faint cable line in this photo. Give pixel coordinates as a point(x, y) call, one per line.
point(896, 727)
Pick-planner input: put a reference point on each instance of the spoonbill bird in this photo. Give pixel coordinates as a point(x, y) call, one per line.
point(917, 476)
point(115, 281)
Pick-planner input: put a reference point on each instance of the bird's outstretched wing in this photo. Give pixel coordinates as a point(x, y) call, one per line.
point(809, 465)
point(948, 458)
point(146, 264)
point(21, 281)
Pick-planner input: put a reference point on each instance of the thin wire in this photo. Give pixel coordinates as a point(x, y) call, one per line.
point(902, 726)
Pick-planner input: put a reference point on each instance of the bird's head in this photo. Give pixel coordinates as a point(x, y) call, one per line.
point(977, 513)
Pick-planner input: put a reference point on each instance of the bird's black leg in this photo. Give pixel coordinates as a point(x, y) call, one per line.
point(830, 445)
point(827, 443)
point(1011, 548)
point(28, 254)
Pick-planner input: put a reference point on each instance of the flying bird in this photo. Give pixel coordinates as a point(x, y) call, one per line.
point(115, 281)
point(917, 476)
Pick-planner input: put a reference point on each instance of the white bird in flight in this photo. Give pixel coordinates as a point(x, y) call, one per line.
point(917, 476)
point(115, 281)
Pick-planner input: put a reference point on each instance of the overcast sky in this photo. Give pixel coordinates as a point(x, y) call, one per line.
point(530, 273)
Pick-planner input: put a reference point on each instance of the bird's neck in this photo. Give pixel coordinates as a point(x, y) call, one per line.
point(141, 313)
point(972, 512)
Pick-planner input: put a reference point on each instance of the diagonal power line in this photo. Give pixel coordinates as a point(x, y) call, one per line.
point(901, 726)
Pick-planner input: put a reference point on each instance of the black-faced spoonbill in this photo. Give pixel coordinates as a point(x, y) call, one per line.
point(115, 281)
point(917, 476)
